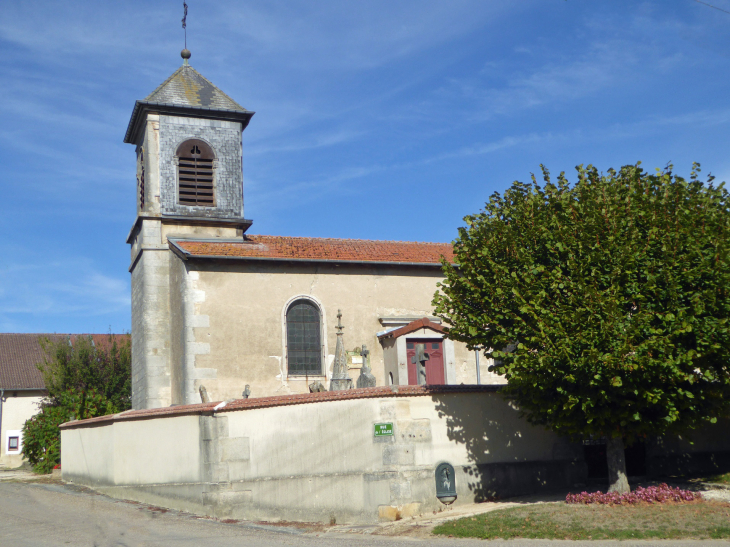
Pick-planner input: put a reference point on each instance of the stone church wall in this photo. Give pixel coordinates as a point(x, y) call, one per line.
point(232, 320)
point(151, 330)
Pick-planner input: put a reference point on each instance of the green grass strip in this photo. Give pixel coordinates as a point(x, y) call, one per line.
point(700, 520)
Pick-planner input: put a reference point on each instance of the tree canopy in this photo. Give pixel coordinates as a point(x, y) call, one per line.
point(84, 379)
point(605, 303)
point(82, 364)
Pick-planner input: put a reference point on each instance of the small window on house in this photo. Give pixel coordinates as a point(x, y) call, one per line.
point(435, 345)
point(410, 345)
point(195, 173)
point(13, 443)
point(303, 339)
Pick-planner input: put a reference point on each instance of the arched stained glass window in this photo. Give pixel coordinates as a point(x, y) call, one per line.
point(303, 338)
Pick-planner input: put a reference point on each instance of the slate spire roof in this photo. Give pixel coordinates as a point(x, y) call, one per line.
point(188, 87)
point(188, 93)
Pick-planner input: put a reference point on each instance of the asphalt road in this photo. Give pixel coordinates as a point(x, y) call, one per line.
point(39, 515)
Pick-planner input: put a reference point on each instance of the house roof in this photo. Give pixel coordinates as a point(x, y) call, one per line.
point(413, 326)
point(312, 249)
point(21, 353)
point(188, 87)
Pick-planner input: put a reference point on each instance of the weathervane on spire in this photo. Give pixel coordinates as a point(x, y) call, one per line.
point(185, 53)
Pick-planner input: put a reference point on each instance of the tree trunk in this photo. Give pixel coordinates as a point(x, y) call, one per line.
point(616, 466)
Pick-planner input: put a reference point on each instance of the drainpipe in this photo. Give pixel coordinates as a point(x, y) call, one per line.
point(478, 376)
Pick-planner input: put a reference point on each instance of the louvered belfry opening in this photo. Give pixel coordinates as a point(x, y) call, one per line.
point(141, 180)
point(195, 173)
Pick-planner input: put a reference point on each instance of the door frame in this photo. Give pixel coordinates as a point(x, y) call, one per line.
point(414, 367)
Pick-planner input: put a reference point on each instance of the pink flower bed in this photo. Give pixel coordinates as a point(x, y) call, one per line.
point(653, 494)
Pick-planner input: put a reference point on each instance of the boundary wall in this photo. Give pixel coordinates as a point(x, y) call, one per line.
point(314, 457)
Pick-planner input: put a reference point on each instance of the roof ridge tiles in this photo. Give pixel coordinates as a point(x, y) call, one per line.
point(351, 239)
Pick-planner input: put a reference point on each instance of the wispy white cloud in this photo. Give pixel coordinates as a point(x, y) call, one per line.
point(602, 67)
point(339, 182)
point(307, 142)
point(354, 36)
point(39, 288)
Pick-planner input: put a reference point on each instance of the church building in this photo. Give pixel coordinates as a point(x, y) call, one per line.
point(214, 306)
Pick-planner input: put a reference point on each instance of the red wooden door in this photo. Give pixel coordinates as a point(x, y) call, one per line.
point(434, 366)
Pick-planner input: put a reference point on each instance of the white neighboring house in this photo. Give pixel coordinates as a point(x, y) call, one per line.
point(21, 390)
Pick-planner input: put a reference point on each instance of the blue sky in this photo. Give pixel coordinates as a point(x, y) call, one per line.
point(377, 120)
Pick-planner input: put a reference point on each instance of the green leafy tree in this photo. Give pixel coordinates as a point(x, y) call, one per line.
point(604, 303)
point(41, 436)
point(84, 379)
point(104, 366)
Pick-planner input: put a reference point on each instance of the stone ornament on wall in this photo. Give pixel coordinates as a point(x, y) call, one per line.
point(340, 377)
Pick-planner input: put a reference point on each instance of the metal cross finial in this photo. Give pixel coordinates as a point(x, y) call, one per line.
point(339, 326)
point(185, 53)
point(185, 23)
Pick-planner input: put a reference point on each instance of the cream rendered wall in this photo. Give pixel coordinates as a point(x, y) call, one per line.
point(88, 456)
point(18, 407)
point(159, 451)
point(337, 437)
point(390, 361)
point(151, 451)
point(235, 323)
point(321, 460)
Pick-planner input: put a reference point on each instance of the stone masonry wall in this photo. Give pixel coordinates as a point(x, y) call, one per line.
point(185, 300)
point(151, 382)
point(139, 378)
point(225, 139)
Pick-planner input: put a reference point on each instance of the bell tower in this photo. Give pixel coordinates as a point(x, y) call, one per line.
point(187, 136)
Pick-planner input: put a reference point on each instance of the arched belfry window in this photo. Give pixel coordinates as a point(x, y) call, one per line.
point(140, 178)
point(303, 338)
point(195, 173)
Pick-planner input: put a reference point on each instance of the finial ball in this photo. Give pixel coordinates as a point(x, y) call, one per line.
point(185, 53)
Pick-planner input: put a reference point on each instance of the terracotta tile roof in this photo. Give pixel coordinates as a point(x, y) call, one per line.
point(413, 326)
point(20, 353)
point(319, 249)
point(282, 400)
